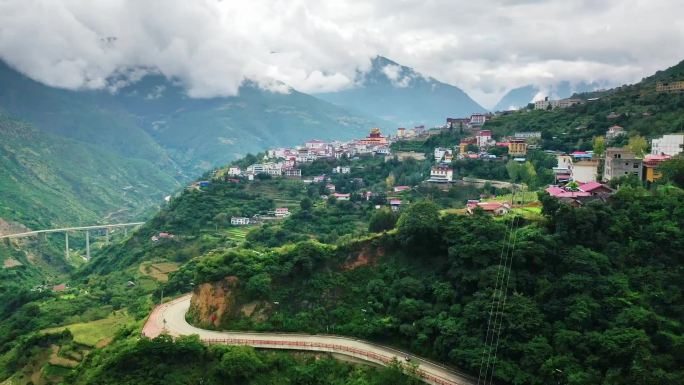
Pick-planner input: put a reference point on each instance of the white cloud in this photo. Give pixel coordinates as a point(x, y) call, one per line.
point(485, 47)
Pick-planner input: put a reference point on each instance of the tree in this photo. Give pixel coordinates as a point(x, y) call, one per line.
point(239, 363)
point(673, 170)
point(599, 145)
point(382, 220)
point(418, 225)
point(306, 204)
point(638, 145)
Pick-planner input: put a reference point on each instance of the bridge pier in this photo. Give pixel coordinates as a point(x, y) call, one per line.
point(87, 245)
point(107, 235)
point(66, 241)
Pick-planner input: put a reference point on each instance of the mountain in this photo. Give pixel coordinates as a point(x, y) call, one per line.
point(639, 108)
point(521, 96)
point(154, 119)
point(403, 96)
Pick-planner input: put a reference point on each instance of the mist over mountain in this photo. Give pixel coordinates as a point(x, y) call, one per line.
point(519, 97)
point(403, 96)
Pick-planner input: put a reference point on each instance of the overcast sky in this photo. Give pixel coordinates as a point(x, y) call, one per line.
point(485, 47)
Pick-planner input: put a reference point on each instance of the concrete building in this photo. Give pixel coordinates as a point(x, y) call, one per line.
point(614, 131)
point(239, 221)
point(517, 147)
point(527, 135)
point(484, 138)
point(477, 119)
point(441, 174)
point(546, 103)
point(621, 162)
point(670, 86)
point(667, 145)
point(585, 170)
point(651, 163)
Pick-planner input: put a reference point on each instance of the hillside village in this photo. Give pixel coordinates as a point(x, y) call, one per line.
point(577, 177)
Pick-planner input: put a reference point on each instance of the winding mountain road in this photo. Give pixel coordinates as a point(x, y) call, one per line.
point(170, 318)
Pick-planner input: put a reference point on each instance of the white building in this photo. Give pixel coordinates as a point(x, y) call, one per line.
point(614, 131)
point(527, 135)
point(292, 172)
point(667, 145)
point(545, 103)
point(239, 221)
point(584, 171)
point(441, 174)
point(315, 144)
point(484, 138)
point(282, 212)
point(477, 119)
point(234, 171)
point(439, 153)
point(341, 170)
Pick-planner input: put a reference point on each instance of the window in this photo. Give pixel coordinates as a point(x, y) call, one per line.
point(636, 165)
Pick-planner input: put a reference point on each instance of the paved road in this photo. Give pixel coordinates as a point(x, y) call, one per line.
point(170, 317)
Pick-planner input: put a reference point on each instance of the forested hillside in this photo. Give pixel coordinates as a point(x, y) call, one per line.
point(638, 108)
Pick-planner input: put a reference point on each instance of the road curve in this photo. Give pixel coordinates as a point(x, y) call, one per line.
point(170, 318)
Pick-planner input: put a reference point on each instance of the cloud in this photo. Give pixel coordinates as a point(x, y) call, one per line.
point(485, 47)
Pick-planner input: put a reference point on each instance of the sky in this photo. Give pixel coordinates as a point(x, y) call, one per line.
point(485, 47)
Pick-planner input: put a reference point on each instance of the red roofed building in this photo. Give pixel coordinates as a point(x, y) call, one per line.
point(401, 188)
point(342, 197)
point(375, 138)
point(493, 208)
point(60, 287)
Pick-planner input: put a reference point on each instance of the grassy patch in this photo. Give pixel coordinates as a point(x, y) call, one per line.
point(90, 333)
point(158, 271)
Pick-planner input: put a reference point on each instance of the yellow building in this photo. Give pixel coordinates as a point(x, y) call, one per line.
point(670, 86)
point(651, 163)
point(517, 147)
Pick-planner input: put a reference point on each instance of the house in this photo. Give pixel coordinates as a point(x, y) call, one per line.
point(463, 145)
point(292, 173)
point(239, 221)
point(517, 147)
point(234, 171)
point(667, 145)
point(492, 208)
point(165, 235)
point(315, 144)
point(477, 120)
point(546, 104)
point(439, 153)
point(448, 157)
point(441, 174)
point(676, 86)
point(651, 163)
point(342, 197)
point(621, 162)
point(527, 135)
point(368, 195)
point(60, 287)
point(341, 170)
point(596, 189)
point(614, 131)
point(404, 155)
point(395, 204)
point(401, 188)
point(484, 138)
point(576, 155)
point(282, 212)
point(330, 187)
point(319, 179)
point(585, 170)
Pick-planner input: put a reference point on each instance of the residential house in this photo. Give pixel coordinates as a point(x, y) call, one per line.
point(676, 86)
point(651, 163)
point(341, 170)
point(585, 170)
point(441, 174)
point(315, 144)
point(239, 221)
point(546, 104)
point(439, 153)
point(292, 173)
point(234, 171)
point(527, 135)
point(517, 147)
point(477, 120)
point(342, 197)
point(463, 145)
point(492, 208)
point(614, 131)
point(330, 187)
point(670, 144)
point(484, 138)
point(621, 162)
point(401, 188)
point(395, 204)
point(282, 212)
